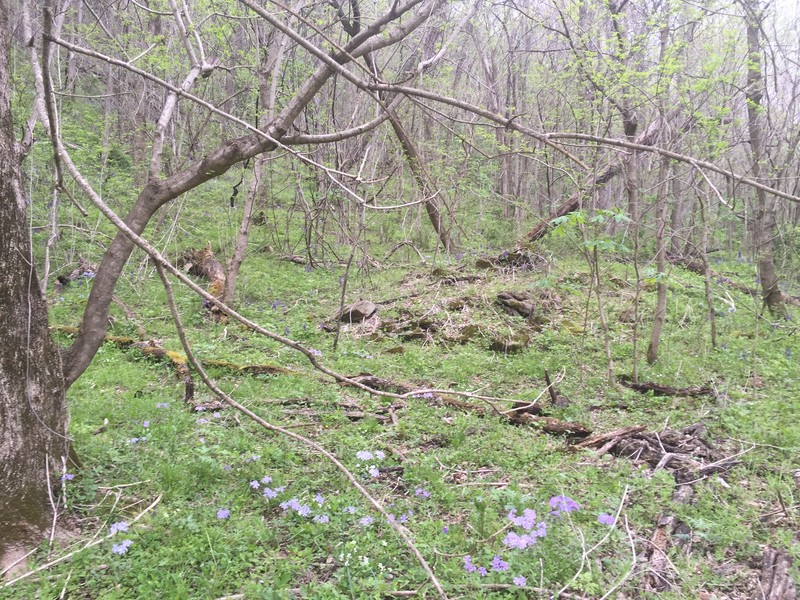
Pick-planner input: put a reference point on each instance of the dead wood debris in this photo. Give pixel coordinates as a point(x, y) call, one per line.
point(690, 458)
point(152, 348)
point(529, 414)
point(665, 390)
point(776, 582)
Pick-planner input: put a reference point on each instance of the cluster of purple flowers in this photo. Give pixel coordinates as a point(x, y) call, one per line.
point(223, 513)
point(123, 546)
point(402, 518)
point(304, 510)
point(533, 529)
point(562, 504)
point(425, 396)
point(268, 492)
point(606, 519)
point(498, 565)
point(422, 493)
point(117, 527)
point(365, 455)
point(136, 440)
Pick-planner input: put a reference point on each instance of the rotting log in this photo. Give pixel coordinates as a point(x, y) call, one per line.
point(776, 580)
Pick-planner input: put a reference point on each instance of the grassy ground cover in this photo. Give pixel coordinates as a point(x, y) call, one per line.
point(499, 510)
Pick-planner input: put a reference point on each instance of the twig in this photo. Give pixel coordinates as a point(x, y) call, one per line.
point(550, 389)
point(50, 497)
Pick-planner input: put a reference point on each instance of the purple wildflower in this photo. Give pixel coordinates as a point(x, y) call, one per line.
point(292, 503)
point(364, 455)
point(391, 518)
point(120, 526)
point(319, 499)
point(520, 581)
point(498, 564)
point(304, 510)
point(445, 529)
point(379, 454)
point(373, 470)
point(223, 513)
point(266, 479)
point(422, 493)
point(520, 542)
point(280, 489)
point(350, 509)
point(122, 547)
point(561, 504)
point(468, 566)
point(67, 477)
point(322, 519)
point(315, 352)
point(217, 415)
point(162, 405)
point(270, 493)
point(365, 521)
point(606, 519)
point(482, 571)
point(527, 521)
point(254, 484)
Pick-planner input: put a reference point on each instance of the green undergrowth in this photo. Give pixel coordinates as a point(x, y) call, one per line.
point(451, 475)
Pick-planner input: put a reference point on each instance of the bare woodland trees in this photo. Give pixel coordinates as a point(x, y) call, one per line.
point(478, 115)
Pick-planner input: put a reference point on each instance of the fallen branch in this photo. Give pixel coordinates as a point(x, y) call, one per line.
point(665, 390)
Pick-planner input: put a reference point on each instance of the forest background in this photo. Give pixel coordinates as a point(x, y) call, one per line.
point(501, 294)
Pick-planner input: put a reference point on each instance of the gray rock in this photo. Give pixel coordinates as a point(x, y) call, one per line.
point(358, 311)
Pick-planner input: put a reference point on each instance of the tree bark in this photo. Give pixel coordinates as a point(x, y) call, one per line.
point(764, 221)
point(33, 417)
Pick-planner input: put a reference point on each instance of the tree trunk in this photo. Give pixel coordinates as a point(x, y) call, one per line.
point(764, 220)
point(33, 417)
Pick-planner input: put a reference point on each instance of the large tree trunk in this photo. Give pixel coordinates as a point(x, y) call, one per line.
point(33, 417)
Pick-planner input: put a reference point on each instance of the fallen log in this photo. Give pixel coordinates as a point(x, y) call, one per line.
point(665, 390)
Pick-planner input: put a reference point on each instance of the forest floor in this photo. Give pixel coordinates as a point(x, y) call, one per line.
point(687, 486)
